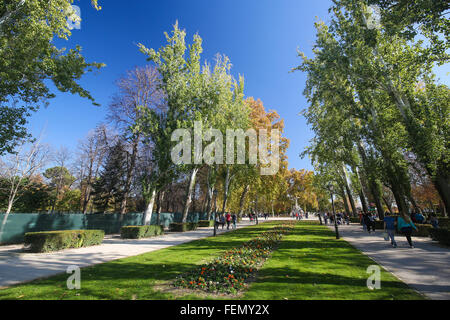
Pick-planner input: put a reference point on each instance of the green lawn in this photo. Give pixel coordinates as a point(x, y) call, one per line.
point(309, 264)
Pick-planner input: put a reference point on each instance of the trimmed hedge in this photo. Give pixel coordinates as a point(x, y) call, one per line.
point(48, 241)
point(379, 224)
point(441, 235)
point(183, 227)
point(138, 232)
point(423, 230)
point(354, 220)
point(444, 223)
point(206, 223)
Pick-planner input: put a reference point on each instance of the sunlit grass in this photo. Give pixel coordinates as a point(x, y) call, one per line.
point(309, 264)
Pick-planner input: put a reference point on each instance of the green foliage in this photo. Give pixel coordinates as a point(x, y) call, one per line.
point(48, 241)
point(108, 189)
point(59, 176)
point(206, 223)
point(444, 222)
point(408, 18)
point(441, 235)
point(28, 58)
point(138, 232)
point(373, 97)
point(35, 197)
point(183, 227)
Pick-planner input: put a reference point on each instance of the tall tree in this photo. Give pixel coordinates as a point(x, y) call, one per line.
point(138, 89)
point(29, 57)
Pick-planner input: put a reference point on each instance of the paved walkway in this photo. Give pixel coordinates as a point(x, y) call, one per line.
point(424, 268)
point(17, 266)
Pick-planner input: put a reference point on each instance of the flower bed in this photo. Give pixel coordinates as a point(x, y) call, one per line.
point(228, 273)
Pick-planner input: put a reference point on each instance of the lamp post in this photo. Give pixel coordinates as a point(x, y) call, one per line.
point(330, 188)
point(215, 212)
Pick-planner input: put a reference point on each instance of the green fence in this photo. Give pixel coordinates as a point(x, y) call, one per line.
point(20, 223)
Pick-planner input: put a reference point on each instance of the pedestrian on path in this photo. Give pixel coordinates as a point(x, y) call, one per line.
point(325, 217)
point(389, 226)
point(367, 222)
point(347, 218)
point(405, 226)
point(234, 220)
point(434, 221)
point(222, 221)
point(228, 218)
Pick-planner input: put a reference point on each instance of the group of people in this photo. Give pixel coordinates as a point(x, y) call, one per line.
point(228, 219)
point(405, 225)
point(341, 218)
point(300, 215)
point(419, 218)
point(368, 221)
point(253, 216)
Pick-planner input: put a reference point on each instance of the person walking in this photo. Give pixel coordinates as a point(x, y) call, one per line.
point(361, 220)
point(389, 226)
point(325, 217)
point(234, 220)
point(367, 222)
point(222, 221)
point(405, 225)
point(434, 221)
point(347, 218)
point(228, 218)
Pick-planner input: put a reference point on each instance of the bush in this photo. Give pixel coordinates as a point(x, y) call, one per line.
point(138, 232)
point(379, 224)
point(441, 235)
point(444, 223)
point(354, 220)
point(206, 223)
point(48, 241)
point(183, 227)
point(423, 230)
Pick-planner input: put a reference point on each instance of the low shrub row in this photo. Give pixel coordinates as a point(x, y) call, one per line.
point(138, 232)
point(48, 241)
point(228, 273)
point(423, 230)
point(441, 235)
point(444, 223)
point(206, 223)
point(183, 227)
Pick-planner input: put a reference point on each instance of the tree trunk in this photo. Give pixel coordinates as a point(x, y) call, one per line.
point(388, 205)
point(414, 204)
point(189, 193)
point(376, 195)
point(226, 188)
point(159, 206)
point(147, 219)
point(242, 201)
point(344, 198)
point(400, 199)
point(349, 193)
point(442, 185)
point(210, 193)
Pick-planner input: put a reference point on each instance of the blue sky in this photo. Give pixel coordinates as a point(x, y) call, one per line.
point(261, 38)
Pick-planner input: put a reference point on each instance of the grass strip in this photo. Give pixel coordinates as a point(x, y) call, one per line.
point(229, 272)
